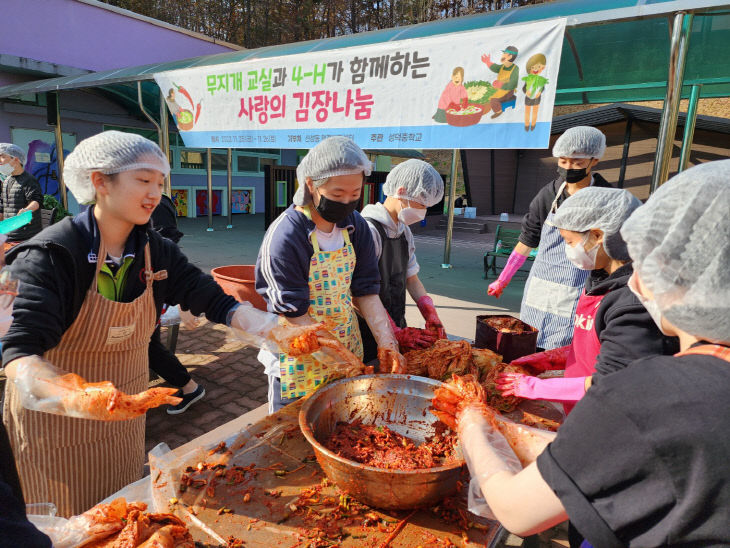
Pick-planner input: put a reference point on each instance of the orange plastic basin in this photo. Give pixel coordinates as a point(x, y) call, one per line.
point(239, 282)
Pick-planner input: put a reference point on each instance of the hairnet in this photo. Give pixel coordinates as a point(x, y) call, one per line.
point(13, 150)
point(109, 152)
point(580, 142)
point(334, 156)
point(421, 181)
point(599, 207)
point(680, 243)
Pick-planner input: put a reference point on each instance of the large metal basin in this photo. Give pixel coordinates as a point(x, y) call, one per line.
point(400, 402)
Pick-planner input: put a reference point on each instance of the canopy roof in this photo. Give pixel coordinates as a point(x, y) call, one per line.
point(614, 50)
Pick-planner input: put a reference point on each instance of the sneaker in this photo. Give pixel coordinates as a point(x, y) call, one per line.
point(187, 400)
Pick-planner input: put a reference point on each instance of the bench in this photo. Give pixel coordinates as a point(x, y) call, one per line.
point(506, 239)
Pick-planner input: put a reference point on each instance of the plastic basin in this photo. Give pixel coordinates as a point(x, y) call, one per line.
point(239, 281)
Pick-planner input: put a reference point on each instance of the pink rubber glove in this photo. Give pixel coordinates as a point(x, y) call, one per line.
point(428, 311)
point(515, 261)
point(567, 389)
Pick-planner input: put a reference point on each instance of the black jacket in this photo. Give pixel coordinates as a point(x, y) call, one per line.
point(17, 192)
point(55, 273)
point(623, 326)
point(540, 207)
point(164, 220)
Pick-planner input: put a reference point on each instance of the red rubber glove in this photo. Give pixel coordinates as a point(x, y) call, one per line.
point(545, 361)
point(412, 338)
point(567, 389)
point(428, 311)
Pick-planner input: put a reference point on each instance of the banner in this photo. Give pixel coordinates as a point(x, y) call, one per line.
point(492, 88)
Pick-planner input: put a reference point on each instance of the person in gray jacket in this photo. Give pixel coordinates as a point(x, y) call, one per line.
point(20, 192)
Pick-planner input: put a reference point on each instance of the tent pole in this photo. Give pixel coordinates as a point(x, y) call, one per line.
point(625, 152)
point(165, 140)
point(689, 127)
point(450, 221)
point(677, 56)
point(59, 153)
point(210, 191)
point(230, 188)
point(147, 114)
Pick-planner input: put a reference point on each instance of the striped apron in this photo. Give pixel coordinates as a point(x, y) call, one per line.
point(552, 288)
point(330, 301)
point(75, 463)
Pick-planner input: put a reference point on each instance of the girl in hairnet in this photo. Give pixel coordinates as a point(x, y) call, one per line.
point(317, 264)
point(91, 290)
point(411, 187)
point(642, 460)
point(554, 284)
point(612, 327)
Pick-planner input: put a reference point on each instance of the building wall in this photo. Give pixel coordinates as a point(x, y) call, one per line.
point(76, 34)
point(536, 168)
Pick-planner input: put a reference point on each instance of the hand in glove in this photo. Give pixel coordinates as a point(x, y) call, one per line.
point(545, 361)
point(411, 338)
point(391, 361)
point(515, 261)
point(251, 325)
point(566, 389)
point(428, 311)
point(41, 386)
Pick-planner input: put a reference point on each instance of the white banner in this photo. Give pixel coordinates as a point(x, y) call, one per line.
point(492, 88)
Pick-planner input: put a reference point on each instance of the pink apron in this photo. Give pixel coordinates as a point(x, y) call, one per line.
point(581, 360)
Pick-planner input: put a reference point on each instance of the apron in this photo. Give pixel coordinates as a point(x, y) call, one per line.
point(74, 463)
point(330, 301)
point(503, 76)
point(393, 266)
point(581, 360)
point(552, 288)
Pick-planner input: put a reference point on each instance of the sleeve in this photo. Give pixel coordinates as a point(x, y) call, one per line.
point(366, 278)
point(39, 311)
point(495, 67)
point(413, 267)
point(622, 482)
point(191, 288)
point(282, 269)
point(32, 191)
point(514, 79)
point(533, 220)
point(627, 333)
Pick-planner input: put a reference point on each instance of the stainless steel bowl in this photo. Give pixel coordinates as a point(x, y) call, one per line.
point(400, 402)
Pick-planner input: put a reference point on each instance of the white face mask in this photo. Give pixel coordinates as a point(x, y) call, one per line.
point(585, 260)
point(650, 304)
point(6, 169)
point(410, 215)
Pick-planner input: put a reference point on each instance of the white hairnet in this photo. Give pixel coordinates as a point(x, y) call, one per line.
point(580, 142)
point(109, 152)
point(421, 181)
point(13, 150)
point(334, 156)
point(602, 208)
point(680, 243)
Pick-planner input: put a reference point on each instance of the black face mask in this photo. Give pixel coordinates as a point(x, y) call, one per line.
point(333, 211)
point(573, 175)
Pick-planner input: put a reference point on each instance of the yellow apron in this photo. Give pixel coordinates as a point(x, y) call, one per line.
point(72, 462)
point(330, 301)
point(503, 76)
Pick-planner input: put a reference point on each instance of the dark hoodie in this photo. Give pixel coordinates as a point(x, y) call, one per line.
point(623, 326)
point(56, 268)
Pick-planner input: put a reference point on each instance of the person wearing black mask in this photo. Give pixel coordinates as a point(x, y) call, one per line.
point(554, 284)
point(317, 263)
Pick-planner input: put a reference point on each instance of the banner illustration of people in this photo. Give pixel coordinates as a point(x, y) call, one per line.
point(417, 93)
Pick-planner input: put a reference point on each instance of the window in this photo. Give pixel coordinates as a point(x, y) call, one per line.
point(244, 163)
point(248, 163)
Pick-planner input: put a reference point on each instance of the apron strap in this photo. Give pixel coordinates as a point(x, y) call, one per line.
point(554, 206)
point(716, 350)
point(149, 275)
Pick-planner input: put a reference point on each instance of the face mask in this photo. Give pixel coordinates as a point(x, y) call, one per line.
point(6, 169)
point(585, 260)
point(573, 175)
point(333, 211)
point(410, 215)
point(651, 305)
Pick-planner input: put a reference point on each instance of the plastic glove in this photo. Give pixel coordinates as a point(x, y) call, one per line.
point(253, 326)
point(486, 453)
point(41, 386)
point(566, 389)
point(428, 311)
point(189, 320)
point(391, 361)
point(545, 361)
point(515, 261)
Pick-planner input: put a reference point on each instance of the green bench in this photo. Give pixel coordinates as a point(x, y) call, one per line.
point(506, 239)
